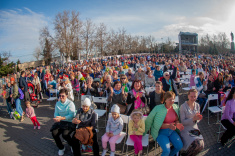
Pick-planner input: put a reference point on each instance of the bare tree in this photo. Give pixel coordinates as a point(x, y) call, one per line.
point(47, 44)
point(37, 53)
point(101, 38)
point(88, 32)
point(67, 27)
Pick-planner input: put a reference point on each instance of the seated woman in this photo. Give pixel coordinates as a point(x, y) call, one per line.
point(85, 117)
point(157, 96)
point(168, 81)
point(164, 120)
point(210, 85)
point(75, 83)
point(125, 83)
point(158, 73)
point(228, 118)
point(201, 86)
point(106, 87)
point(87, 89)
point(130, 75)
point(66, 84)
point(149, 79)
point(192, 77)
point(37, 85)
point(64, 113)
point(115, 76)
point(190, 116)
point(117, 96)
point(136, 96)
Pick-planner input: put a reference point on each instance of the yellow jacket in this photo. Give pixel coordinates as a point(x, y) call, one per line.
point(138, 131)
point(125, 67)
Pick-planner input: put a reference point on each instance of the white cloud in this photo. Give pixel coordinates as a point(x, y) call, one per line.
point(20, 32)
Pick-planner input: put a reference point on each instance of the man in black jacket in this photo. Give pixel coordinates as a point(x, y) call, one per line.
point(23, 85)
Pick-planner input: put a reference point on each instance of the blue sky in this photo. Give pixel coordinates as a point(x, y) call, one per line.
point(21, 20)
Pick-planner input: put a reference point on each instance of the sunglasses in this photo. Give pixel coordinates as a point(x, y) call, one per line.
point(62, 96)
point(167, 75)
point(123, 78)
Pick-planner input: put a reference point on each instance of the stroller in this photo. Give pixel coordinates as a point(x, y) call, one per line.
point(33, 97)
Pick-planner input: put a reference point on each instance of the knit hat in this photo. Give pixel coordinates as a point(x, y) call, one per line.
point(115, 108)
point(86, 102)
point(136, 112)
point(12, 79)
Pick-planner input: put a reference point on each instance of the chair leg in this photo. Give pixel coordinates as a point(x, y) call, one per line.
point(219, 133)
point(126, 149)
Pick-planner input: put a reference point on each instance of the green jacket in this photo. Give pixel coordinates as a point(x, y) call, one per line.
point(156, 118)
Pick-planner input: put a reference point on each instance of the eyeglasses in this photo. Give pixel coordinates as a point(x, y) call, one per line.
point(167, 75)
point(62, 96)
point(123, 78)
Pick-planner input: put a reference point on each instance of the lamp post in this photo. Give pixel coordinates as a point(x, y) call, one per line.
point(162, 45)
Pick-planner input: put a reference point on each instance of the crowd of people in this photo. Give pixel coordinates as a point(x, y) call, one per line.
point(124, 80)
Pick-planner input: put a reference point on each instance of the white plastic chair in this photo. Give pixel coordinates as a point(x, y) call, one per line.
point(145, 140)
point(221, 125)
point(53, 92)
point(149, 89)
point(86, 96)
point(99, 100)
point(212, 109)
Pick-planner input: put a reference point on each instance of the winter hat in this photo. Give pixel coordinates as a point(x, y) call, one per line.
point(86, 102)
point(115, 108)
point(136, 112)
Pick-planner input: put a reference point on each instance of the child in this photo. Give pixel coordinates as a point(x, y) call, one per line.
point(30, 113)
point(136, 128)
point(113, 129)
point(5, 95)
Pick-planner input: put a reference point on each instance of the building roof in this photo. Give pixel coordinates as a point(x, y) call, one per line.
point(188, 33)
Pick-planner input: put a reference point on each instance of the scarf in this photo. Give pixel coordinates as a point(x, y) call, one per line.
point(138, 102)
point(169, 83)
point(117, 91)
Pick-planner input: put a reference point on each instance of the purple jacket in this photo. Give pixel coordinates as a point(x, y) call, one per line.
point(229, 112)
point(132, 76)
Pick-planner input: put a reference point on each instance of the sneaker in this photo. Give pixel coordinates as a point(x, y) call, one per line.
point(61, 152)
point(11, 115)
point(104, 152)
point(112, 154)
point(34, 127)
point(39, 127)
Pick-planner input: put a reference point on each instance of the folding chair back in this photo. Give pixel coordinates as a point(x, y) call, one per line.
point(86, 96)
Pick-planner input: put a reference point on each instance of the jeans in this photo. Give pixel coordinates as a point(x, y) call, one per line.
point(167, 136)
point(9, 109)
point(18, 106)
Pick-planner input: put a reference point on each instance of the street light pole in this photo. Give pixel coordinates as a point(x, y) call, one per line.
point(162, 45)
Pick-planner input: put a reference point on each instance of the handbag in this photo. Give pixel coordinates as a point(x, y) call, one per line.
point(145, 110)
point(122, 108)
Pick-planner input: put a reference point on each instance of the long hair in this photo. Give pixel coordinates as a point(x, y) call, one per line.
point(230, 95)
point(162, 92)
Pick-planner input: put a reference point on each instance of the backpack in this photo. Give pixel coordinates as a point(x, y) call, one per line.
point(21, 94)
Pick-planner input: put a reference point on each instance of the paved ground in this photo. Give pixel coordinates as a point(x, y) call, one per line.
point(21, 139)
